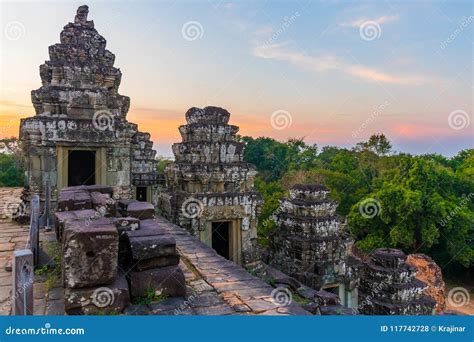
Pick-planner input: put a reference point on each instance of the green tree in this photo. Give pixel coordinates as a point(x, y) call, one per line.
point(11, 174)
point(419, 208)
point(377, 143)
point(11, 163)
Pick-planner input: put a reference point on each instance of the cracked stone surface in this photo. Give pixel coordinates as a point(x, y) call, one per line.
point(210, 181)
point(79, 104)
point(219, 286)
point(13, 236)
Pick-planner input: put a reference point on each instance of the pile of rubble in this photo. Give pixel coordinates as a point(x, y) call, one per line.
point(112, 251)
point(317, 302)
point(388, 286)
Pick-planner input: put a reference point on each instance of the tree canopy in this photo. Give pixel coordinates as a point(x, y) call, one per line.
point(420, 204)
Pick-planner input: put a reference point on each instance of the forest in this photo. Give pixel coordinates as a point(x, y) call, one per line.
point(418, 203)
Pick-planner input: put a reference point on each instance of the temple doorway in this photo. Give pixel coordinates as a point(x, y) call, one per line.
point(141, 193)
point(221, 238)
point(81, 167)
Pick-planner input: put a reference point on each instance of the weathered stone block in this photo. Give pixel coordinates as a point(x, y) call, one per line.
point(326, 298)
point(167, 280)
point(108, 299)
point(124, 224)
point(74, 200)
point(103, 203)
point(103, 189)
point(141, 210)
point(61, 217)
point(162, 261)
point(90, 253)
point(122, 205)
point(430, 273)
point(147, 228)
point(148, 247)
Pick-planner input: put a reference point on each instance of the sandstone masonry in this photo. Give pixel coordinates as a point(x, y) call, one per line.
point(80, 134)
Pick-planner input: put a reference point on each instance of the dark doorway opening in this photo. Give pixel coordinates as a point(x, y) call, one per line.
point(220, 238)
point(81, 168)
point(332, 289)
point(141, 193)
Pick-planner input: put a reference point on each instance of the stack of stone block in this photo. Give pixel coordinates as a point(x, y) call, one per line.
point(112, 251)
point(389, 287)
point(79, 105)
point(210, 180)
point(148, 252)
point(310, 242)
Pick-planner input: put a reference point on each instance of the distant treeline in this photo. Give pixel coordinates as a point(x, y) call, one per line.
point(11, 163)
point(421, 204)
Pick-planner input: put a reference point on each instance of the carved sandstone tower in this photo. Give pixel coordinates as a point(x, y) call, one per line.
point(210, 187)
point(388, 286)
point(310, 243)
point(80, 135)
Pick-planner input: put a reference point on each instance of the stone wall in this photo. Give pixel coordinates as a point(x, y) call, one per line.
point(389, 287)
point(113, 252)
point(78, 106)
point(310, 242)
point(427, 271)
point(209, 180)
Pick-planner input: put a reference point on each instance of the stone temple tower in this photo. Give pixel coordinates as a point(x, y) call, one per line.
point(310, 243)
point(388, 286)
point(80, 134)
point(209, 185)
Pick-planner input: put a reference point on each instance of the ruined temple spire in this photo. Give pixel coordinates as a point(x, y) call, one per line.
point(81, 16)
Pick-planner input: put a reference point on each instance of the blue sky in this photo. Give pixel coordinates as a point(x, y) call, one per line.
point(309, 62)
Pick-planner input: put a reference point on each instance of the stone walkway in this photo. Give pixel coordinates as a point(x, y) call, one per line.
point(220, 286)
point(13, 236)
point(216, 286)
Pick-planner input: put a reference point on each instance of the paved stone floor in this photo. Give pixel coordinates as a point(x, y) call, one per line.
point(216, 286)
point(220, 287)
point(13, 236)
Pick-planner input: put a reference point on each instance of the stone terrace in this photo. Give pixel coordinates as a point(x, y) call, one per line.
point(13, 236)
point(234, 291)
point(216, 286)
